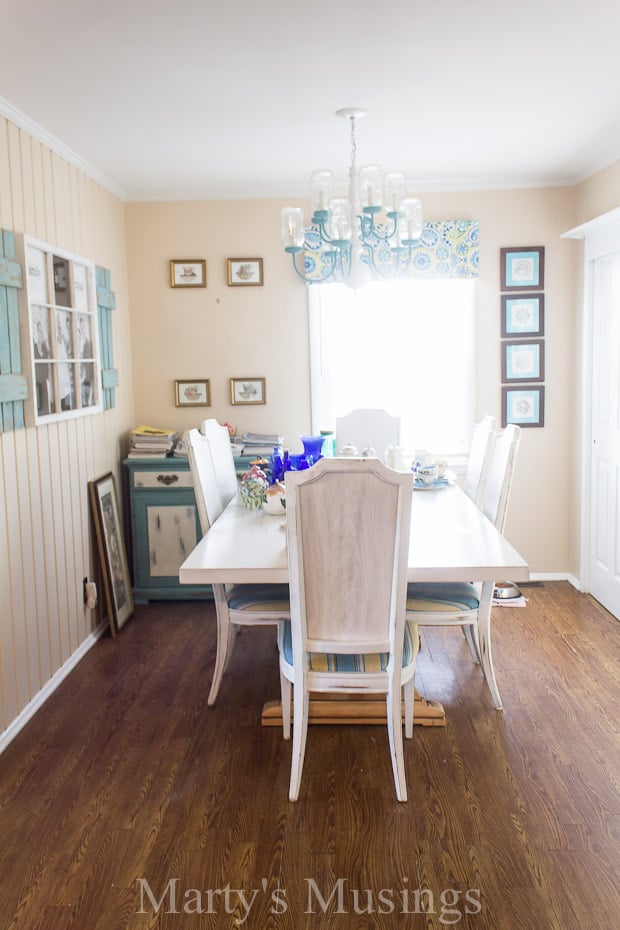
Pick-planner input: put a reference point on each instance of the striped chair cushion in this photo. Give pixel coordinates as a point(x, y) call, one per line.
point(438, 596)
point(259, 597)
point(369, 662)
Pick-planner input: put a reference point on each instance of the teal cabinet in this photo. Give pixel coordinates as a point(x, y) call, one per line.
point(164, 528)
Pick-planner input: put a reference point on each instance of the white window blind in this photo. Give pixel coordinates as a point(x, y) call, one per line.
point(406, 347)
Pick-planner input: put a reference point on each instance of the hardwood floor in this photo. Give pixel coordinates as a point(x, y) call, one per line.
point(126, 775)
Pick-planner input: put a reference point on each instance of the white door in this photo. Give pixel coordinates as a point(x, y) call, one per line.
point(605, 456)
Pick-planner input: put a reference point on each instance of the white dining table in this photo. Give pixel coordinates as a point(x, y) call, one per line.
point(451, 540)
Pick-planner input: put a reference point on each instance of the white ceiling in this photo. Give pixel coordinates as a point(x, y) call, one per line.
point(196, 99)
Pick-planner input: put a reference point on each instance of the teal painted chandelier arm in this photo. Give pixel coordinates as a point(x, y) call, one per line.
point(401, 262)
point(369, 230)
point(328, 257)
point(319, 219)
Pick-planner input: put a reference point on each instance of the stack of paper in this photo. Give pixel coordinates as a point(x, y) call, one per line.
point(150, 442)
point(260, 443)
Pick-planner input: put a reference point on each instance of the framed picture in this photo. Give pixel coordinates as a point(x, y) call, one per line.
point(188, 272)
point(523, 361)
point(524, 406)
point(194, 393)
point(247, 390)
point(112, 554)
point(523, 268)
point(244, 272)
point(523, 315)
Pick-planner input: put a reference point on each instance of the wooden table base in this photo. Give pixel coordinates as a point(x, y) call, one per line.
point(366, 709)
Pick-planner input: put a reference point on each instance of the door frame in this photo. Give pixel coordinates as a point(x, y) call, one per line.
point(601, 236)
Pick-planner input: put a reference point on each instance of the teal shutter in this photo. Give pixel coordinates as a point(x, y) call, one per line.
point(105, 305)
point(13, 386)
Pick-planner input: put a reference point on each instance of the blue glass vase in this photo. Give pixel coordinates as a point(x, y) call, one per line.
point(313, 448)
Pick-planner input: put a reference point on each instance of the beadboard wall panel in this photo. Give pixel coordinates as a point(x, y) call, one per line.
point(46, 542)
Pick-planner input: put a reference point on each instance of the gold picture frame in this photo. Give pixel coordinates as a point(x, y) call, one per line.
point(112, 554)
point(245, 272)
point(247, 391)
point(192, 392)
point(188, 272)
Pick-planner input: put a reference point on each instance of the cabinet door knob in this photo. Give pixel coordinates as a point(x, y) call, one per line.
point(167, 479)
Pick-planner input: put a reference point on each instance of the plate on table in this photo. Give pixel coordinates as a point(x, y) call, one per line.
point(436, 485)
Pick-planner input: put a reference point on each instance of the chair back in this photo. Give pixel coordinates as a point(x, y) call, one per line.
point(479, 459)
point(368, 429)
point(500, 475)
point(348, 526)
point(223, 459)
point(208, 500)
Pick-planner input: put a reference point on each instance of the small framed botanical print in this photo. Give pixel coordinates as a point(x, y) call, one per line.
point(245, 272)
point(188, 272)
point(523, 315)
point(247, 390)
point(192, 393)
point(523, 360)
point(524, 406)
point(523, 268)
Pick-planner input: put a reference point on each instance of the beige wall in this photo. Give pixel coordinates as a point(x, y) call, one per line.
point(45, 541)
point(221, 332)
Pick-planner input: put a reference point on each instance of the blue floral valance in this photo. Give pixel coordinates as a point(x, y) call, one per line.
point(446, 249)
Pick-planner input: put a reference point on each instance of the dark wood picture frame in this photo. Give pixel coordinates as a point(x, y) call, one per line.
point(532, 399)
point(523, 360)
point(522, 268)
point(112, 554)
point(523, 315)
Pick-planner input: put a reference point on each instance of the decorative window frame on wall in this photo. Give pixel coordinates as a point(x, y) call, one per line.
point(106, 303)
point(13, 383)
point(60, 329)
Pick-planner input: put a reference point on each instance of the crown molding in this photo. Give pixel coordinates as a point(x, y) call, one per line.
point(46, 138)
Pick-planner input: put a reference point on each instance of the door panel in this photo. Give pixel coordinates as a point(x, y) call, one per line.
point(605, 461)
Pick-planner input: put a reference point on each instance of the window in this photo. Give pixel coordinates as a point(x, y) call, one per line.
point(62, 318)
point(406, 347)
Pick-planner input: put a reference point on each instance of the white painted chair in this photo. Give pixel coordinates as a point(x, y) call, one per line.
point(347, 631)
point(469, 605)
point(479, 459)
point(368, 429)
point(240, 604)
point(223, 459)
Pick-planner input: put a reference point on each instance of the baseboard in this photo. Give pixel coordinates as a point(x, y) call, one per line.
point(49, 687)
point(557, 576)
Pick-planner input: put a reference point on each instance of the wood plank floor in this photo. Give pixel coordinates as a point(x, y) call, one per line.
point(126, 775)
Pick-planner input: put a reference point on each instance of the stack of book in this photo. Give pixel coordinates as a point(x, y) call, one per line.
point(260, 443)
point(150, 442)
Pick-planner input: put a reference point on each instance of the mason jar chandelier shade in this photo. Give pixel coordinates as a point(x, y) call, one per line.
point(369, 233)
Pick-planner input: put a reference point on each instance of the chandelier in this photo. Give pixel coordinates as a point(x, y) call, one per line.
point(380, 244)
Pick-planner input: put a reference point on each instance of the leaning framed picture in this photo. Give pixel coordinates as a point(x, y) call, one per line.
point(244, 272)
point(523, 315)
point(195, 392)
point(247, 391)
point(523, 360)
point(188, 272)
point(524, 406)
point(523, 268)
point(112, 554)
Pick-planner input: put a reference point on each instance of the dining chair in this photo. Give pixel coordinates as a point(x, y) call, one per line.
point(223, 458)
point(348, 540)
point(239, 604)
point(479, 459)
point(461, 603)
point(368, 429)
